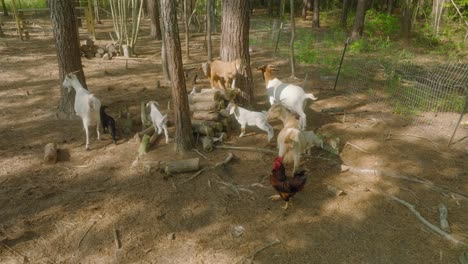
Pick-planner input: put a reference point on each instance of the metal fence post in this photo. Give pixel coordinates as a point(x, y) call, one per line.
point(461, 116)
point(341, 62)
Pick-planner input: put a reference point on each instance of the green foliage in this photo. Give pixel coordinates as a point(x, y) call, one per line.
point(381, 24)
point(27, 4)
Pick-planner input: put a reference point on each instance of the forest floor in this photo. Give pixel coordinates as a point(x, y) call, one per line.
point(67, 212)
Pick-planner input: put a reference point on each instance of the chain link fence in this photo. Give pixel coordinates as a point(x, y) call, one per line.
point(431, 96)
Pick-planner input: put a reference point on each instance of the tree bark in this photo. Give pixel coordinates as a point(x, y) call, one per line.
point(316, 17)
point(408, 7)
point(358, 27)
point(304, 9)
point(183, 137)
point(345, 12)
point(5, 10)
point(155, 25)
point(186, 25)
point(390, 6)
point(293, 35)
point(436, 14)
point(209, 11)
point(235, 43)
point(67, 46)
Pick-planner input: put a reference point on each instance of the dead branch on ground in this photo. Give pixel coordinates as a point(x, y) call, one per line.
point(426, 183)
point(85, 233)
point(250, 258)
point(352, 145)
point(226, 160)
point(422, 219)
point(116, 237)
point(247, 149)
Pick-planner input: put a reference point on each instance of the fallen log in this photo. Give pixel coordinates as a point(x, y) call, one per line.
point(50, 153)
point(206, 115)
point(204, 97)
point(225, 94)
point(217, 126)
point(207, 106)
point(180, 166)
point(147, 131)
point(144, 145)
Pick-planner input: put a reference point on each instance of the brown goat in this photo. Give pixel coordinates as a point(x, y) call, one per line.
point(222, 73)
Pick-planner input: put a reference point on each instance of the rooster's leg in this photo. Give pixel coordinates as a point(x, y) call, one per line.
point(285, 206)
point(275, 197)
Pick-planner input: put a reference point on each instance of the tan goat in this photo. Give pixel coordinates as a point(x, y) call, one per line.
point(222, 73)
point(291, 140)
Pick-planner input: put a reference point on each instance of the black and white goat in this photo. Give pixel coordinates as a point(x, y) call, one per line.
point(108, 123)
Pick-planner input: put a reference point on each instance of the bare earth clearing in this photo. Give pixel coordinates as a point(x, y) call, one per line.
point(66, 213)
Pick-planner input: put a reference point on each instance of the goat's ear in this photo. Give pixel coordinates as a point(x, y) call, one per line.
point(261, 68)
point(272, 67)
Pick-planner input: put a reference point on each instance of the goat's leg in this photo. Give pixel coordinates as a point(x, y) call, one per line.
point(242, 130)
point(297, 159)
point(166, 134)
point(302, 120)
point(267, 128)
point(98, 125)
point(86, 128)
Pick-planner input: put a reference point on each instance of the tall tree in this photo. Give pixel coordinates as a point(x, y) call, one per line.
point(183, 137)
point(209, 11)
point(67, 46)
point(316, 17)
point(155, 25)
point(345, 12)
point(408, 7)
point(186, 25)
point(5, 10)
point(235, 42)
point(291, 43)
point(305, 6)
point(436, 14)
point(358, 27)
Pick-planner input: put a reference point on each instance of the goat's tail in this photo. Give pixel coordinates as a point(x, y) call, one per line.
point(311, 96)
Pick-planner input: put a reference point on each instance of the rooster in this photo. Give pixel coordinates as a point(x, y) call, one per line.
point(286, 187)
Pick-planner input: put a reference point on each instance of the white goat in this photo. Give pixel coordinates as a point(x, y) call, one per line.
point(291, 140)
point(312, 140)
point(291, 96)
point(159, 120)
point(251, 118)
point(87, 106)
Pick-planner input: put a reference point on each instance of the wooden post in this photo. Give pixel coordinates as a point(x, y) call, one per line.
point(19, 33)
point(90, 20)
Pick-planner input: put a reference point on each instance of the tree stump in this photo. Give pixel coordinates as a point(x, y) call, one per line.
point(207, 143)
point(50, 153)
point(144, 145)
point(180, 166)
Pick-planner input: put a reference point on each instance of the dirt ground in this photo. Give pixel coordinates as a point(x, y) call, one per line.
point(67, 212)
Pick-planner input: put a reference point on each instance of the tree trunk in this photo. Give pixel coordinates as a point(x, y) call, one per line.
point(408, 7)
point(67, 46)
point(183, 137)
point(316, 18)
point(270, 7)
point(164, 64)
point(291, 43)
point(304, 9)
point(345, 12)
point(155, 25)
point(390, 6)
point(235, 43)
point(436, 14)
point(5, 10)
point(358, 27)
point(186, 25)
point(209, 11)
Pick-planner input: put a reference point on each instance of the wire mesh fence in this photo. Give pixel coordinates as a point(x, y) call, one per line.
point(430, 96)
